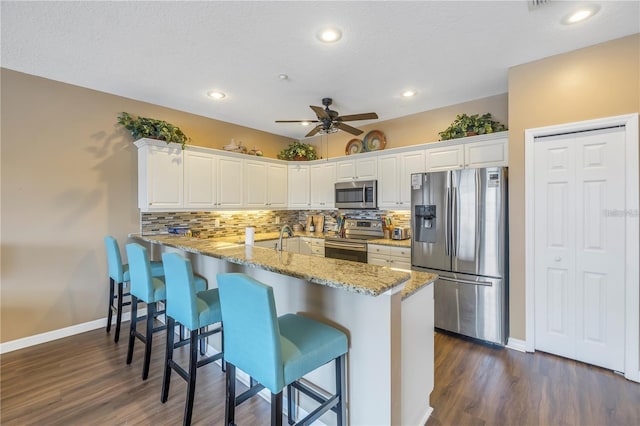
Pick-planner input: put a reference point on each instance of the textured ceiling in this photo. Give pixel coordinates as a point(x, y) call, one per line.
point(172, 53)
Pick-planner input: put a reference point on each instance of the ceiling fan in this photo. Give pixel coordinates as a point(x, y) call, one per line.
point(330, 121)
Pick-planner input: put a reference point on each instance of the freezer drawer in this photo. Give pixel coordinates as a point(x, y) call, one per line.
point(472, 306)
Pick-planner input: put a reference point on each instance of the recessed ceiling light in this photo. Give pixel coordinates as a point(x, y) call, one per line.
point(216, 94)
point(283, 77)
point(329, 35)
point(408, 93)
point(580, 15)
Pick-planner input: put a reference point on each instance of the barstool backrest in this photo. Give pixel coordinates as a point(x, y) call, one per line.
point(140, 271)
point(181, 290)
point(114, 260)
point(251, 331)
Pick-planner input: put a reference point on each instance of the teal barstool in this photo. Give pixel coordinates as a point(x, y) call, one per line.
point(150, 290)
point(195, 310)
point(119, 275)
point(276, 352)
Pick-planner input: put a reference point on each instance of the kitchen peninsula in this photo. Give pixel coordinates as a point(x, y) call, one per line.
point(387, 315)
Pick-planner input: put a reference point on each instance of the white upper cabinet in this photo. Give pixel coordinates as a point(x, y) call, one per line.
point(160, 175)
point(394, 183)
point(484, 153)
point(265, 184)
point(322, 183)
point(299, 186)
point(199, 178)
point(357, 169)
point(445, 158)
point(229, 182)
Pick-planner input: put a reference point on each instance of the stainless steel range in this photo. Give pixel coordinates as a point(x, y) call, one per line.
point(353, 246)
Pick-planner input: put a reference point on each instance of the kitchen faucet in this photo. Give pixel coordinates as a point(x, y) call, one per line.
point(289, 231)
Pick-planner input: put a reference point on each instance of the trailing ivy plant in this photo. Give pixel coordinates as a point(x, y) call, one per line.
point(143, 127)
point(467, 125)
point(298, 151)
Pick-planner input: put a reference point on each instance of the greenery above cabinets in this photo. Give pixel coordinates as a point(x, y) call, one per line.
point(143, 127)
point(470, 125)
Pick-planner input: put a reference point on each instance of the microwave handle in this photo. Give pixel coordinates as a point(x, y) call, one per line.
point(364, 194)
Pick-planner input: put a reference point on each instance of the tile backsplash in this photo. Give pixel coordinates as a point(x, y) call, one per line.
point(228, 223)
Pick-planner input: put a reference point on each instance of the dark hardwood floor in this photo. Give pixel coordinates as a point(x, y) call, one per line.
point(83, 380)
point(478, 384)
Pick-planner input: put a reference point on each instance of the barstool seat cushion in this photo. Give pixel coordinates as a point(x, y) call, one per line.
point(208, 305)
point(157, 270)
point(307, 345)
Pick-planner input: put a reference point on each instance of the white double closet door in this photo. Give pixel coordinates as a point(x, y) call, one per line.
point(580, 246)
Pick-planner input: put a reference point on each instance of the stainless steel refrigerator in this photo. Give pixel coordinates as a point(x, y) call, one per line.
point(459, 221)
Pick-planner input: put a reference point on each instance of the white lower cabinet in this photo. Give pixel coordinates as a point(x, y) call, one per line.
point(312, 246)
point(394, 257)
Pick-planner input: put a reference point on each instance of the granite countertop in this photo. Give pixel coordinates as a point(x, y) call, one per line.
point(356, 277)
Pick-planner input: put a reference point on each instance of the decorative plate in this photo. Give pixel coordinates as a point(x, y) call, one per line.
point(374, 140)
point(354, 146)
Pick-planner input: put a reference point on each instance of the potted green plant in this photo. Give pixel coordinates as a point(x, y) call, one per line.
point(469, 125)
point(143, 127)
point(298, 151)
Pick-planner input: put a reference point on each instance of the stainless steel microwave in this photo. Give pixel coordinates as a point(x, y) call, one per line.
point(361, 194)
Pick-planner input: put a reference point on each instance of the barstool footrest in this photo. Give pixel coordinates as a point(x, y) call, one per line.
point(315, 395)
point(253, 390)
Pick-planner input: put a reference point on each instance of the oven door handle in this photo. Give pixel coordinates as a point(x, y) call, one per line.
point(345, 246)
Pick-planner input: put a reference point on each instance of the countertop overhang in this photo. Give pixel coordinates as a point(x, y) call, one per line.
point(362, 278)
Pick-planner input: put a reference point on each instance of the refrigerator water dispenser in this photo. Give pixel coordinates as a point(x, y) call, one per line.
point(425, 220)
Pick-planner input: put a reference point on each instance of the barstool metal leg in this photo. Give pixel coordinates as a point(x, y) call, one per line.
point(193, 368)
point(111, 298)
point(341, 389)
point(166, 381)
point(132, 329)
point(119, 312)
point(151, 315)
point(276, 409)
point(291, 408)
point(230, 406)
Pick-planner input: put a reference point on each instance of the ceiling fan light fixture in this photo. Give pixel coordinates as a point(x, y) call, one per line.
point(409, 93)
point(305, 123)
point(580, 15)
point(216, 94)
point(329, 35)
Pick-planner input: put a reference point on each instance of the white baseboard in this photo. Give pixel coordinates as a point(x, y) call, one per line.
point(516, 344)
point(60, 333)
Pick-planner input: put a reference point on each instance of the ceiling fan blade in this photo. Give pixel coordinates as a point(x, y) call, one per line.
point(313, 131)
point(348, 128)
point(296, 121)
point(320, 112)
point(353, 117)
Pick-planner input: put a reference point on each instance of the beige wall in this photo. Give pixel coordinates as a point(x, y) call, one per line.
point(413, 129)
point(598, 81)
point(69, 177)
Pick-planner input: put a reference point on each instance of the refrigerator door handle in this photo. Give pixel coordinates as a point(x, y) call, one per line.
point(454, 280)
point(454, 221)
point(447, 237)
